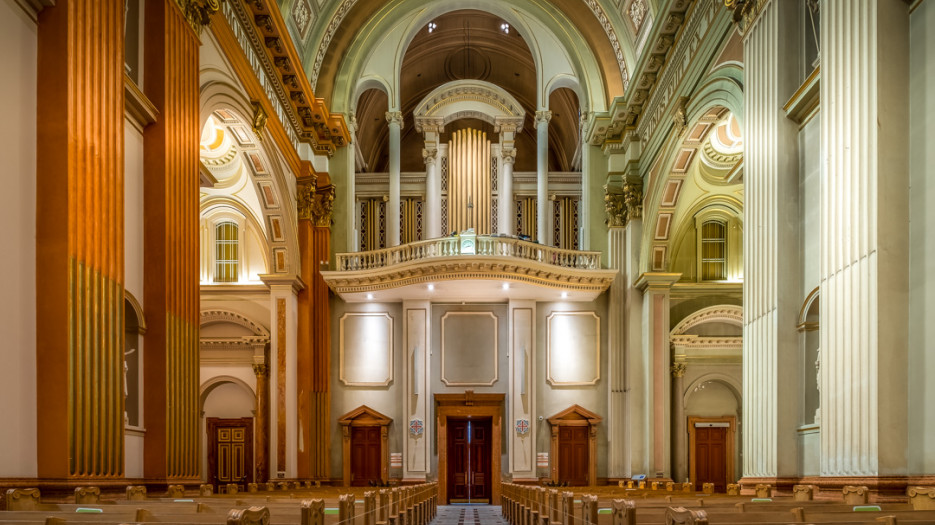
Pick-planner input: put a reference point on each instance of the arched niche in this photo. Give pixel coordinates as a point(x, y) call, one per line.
point(364, 416)
point(574, 416)
point(469, 99)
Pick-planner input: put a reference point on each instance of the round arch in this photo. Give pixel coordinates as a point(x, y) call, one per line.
point(732, 385)
point(470, 99)
point(210, 384)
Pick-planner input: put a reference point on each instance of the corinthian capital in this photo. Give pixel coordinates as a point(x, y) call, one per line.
point(508, 155)
point(304, 198)
point(543, 117)
point(395, 117)
point(614, 209)
point(633, 197)
point(429, 155)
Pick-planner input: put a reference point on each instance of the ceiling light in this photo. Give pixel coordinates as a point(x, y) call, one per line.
point(369, 296)
point(506, 286)
point(431, 287)
point(564, 295)
point(432, 26)
point(505, 27)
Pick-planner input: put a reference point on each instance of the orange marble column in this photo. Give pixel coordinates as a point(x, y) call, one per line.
point(262, 420)
point(315, 203)
point(171, 287)
point(79, 240)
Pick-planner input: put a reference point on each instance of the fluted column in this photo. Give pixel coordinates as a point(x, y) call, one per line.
point(522, 348)
point(542, 176)
point(864, 244)
point(680, 425)
point(637, 409)
point(416, 396)
point(261, 370)
point(171, 289)
point(616, 342)
point(315, 206)
point(772, 282)
point(656, 288)
point(395, 120)
point(79, 241)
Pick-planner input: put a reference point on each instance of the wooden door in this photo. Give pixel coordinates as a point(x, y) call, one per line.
point(573, 455)
point(469, 449)
point(230, 451)
point(711, 457)
point(365, 456)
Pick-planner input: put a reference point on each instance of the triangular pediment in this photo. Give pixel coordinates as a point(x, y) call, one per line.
point(364, 415)
point(575, 413)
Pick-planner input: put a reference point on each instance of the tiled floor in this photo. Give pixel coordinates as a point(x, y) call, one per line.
point(468, 515)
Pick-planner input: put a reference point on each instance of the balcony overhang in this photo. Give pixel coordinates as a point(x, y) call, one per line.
point(499, 269)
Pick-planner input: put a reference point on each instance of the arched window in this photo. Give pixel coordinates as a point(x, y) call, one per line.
point(713, 250)
point(227, 259)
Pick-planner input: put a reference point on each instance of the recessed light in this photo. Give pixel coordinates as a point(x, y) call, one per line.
point(505, 27)
point(431, 287)
point(564, 295)
point(506, 286)
point(369, 296)
point(432, 26)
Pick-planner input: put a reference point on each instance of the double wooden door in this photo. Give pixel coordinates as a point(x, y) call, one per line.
point(573, 455)
point(711, 457)
point(365, 455)
point(230, 451)
point(469, 450)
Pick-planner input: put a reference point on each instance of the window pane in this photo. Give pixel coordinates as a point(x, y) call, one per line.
point(226, 251)
point(713, 251)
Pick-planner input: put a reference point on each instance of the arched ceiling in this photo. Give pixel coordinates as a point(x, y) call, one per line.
point(467, 44)
point(334, 25)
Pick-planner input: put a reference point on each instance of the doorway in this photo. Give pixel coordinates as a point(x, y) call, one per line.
point(230, 451)
point(469, 446)
point(573, 455)
point(366, 451)
point(485, 409)
point(711, 450)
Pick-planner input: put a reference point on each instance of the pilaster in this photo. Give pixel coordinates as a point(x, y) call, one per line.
point(656, 288)
point(636, 452)
point(864, 237)
point(522, 390)
point(282, 375)
point(617, 452)
point(418, 436)
point(771, 393)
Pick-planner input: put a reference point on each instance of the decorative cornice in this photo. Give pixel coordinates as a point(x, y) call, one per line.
point(262, 35)
point(198, 12)
point(723, 314)
point(330, 31)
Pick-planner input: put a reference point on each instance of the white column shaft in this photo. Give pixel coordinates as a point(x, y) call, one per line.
point(542, 176)
point(433, 198)
point(392, 207)
point(772, 274)
point(617, 446)
point(506, 217)
point(864, 243)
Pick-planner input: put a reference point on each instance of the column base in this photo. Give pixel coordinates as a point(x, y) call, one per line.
point(883, 489)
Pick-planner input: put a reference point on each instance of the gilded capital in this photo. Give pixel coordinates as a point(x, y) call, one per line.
point(633, 198)
point(305, 197)
point(323, 206)
point(678, 369)
point(198, 12)
point(745, 11)
point(614, 209)
point(259, 119)
point(260, 369)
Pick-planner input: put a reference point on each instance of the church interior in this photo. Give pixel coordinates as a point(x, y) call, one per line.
point(277, 255)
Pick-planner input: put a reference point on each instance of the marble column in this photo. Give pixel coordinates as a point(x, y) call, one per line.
point(417, 331)
point(542, 177)
point(772, 283)
point(637, 407)
point(507, 217)
point(864, 237)
point(656, 288)
point(617, 446)
point(679, 425)
point(584, 207)
point(350, 195)
point(261, 370)
point(433, 210)
point(395, 120)
point(282, 379)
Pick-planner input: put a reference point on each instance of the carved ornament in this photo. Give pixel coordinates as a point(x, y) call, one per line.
point(745, 12)
point(198, 12)
point(305, 196)
point(614, 209)
point(259, 119)
point(508, 155)
point(322, 207)
point(678, 369)
point(395, 117)
point(261, 369)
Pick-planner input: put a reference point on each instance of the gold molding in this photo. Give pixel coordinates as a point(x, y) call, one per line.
point(806, 100)
point(597, 348)
point(496, 348)
point(342, 357)
point(137, 107)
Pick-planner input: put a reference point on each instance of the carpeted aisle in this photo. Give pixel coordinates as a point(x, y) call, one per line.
point(468, 515)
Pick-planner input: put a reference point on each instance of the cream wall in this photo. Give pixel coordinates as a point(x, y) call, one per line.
point(922, 238)
point(18, 49)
